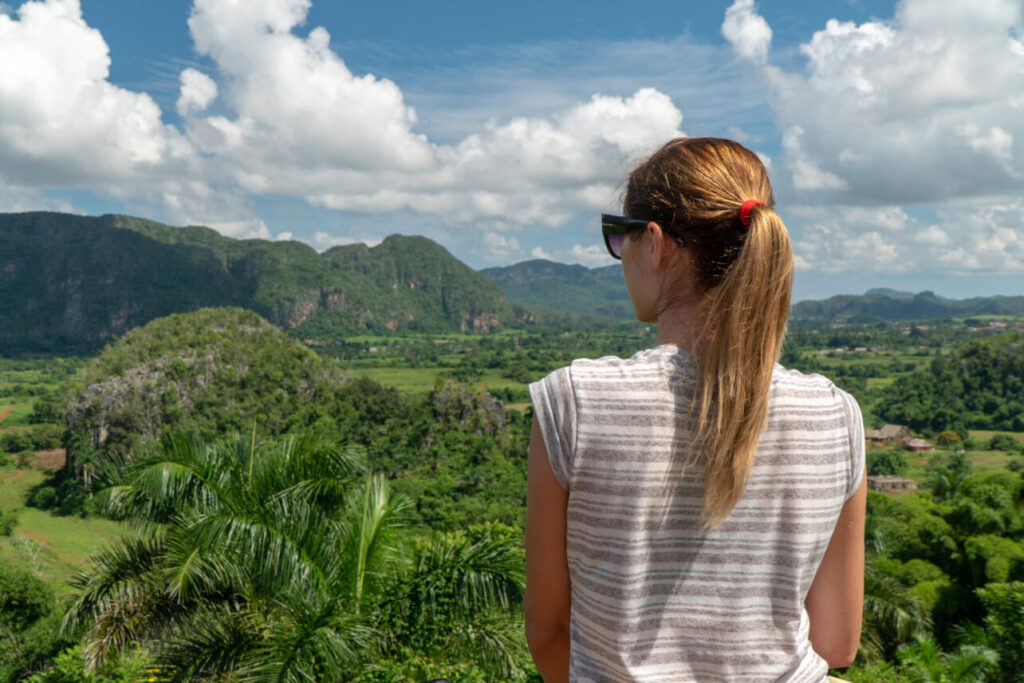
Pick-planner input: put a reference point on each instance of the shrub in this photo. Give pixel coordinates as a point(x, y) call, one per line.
point(948, 438)
point(8, 520)
point(1005, 442)
point(885, 461)
point(43, 498)
point(13, 442)
point(46, 436)
point(25, 458)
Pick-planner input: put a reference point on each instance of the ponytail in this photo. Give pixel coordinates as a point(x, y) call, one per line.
point(741, 326)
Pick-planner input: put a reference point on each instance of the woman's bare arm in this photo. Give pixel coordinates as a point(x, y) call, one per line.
point(547, 571)
point(835, 601)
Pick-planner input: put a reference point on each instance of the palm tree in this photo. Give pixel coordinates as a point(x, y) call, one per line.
point(946, 475)
point(893, 614)
point(924, 661)
point(279, 563)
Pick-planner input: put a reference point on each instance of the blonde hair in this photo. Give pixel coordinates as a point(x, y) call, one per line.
point(694, 187)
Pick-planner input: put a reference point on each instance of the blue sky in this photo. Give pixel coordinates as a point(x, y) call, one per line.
point(893, 132)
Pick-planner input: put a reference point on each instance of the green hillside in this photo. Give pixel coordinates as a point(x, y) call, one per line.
point(73, 283)
point(566, 288)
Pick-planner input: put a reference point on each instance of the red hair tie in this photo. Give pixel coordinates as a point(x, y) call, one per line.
point(745, 210)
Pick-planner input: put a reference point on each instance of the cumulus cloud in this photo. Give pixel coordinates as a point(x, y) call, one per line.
point(974, 237)
point(502, 247)
point(64, 123)
point(304, 125)
point(923, 108)
point(197, 92)
point(292, 120)
point(889, 117)
point(538, 252)
point(18, 199)
point(324, 240)
point(747, 31)
point(591, 256)
point(300, 110)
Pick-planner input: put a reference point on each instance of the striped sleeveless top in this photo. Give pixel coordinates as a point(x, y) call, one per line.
point(655, 598)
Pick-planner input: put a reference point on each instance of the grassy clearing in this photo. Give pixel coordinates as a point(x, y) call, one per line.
point(981, 461)
point(985, 434)
point(20, 410)
point(425, 379)
point(55, 547)
point(989, 460)
point(404, 379)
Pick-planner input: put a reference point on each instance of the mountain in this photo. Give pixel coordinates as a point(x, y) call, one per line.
point(72, 283)
point(602, 292)
point(890, 305)
point(566, 288)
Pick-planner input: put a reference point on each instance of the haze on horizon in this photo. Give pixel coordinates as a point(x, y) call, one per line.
point(893, 131)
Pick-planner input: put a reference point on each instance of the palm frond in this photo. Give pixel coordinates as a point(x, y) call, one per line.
point(308, 638)
point(368, 524)
point(112, 573)
point(892, 614)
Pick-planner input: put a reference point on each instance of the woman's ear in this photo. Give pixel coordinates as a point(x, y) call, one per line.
point(659, 246)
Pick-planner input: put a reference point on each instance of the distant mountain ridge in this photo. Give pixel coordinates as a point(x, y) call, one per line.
point(875, 306)
point(602, 291)
point(71, 283)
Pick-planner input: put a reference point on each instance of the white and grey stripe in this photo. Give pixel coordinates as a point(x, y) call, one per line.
point(654, 598)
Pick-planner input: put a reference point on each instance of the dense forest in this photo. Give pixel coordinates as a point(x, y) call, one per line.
point(289, 518)
point(978, 386)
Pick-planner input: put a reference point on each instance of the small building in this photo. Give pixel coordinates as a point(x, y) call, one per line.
point(918, 445)
point(891, 484)
point(897, 433)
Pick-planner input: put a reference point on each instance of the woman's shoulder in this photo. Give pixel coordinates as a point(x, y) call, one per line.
point(654, 356)
point(792, 381)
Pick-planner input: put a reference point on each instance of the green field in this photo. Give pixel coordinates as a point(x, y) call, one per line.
point(52, 546)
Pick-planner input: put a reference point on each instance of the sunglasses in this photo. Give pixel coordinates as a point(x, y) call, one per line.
point(615, 228)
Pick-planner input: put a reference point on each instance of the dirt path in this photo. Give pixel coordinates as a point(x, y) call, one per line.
point(5, 414)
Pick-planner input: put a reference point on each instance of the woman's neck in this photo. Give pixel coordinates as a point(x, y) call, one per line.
point(676, 325)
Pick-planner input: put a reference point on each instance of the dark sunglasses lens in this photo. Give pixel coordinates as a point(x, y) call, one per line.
point(615, 245)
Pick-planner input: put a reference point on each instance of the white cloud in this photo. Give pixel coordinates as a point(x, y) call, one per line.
point(19, 199)
point(807, 175)
point(933, 235)
point(923, 108)
point(747, 31)
point(967, 237)
point(594, 255)
point(503, 247)
point(285, 236)
point(304, 125)
point(197, 92)
point(253, 228)
point(324, 240)
point(301, 112)
point(292, 120)
point(538, 252)
point(64, 123)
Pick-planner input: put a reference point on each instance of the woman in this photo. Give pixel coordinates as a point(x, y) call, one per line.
point(696, 512)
